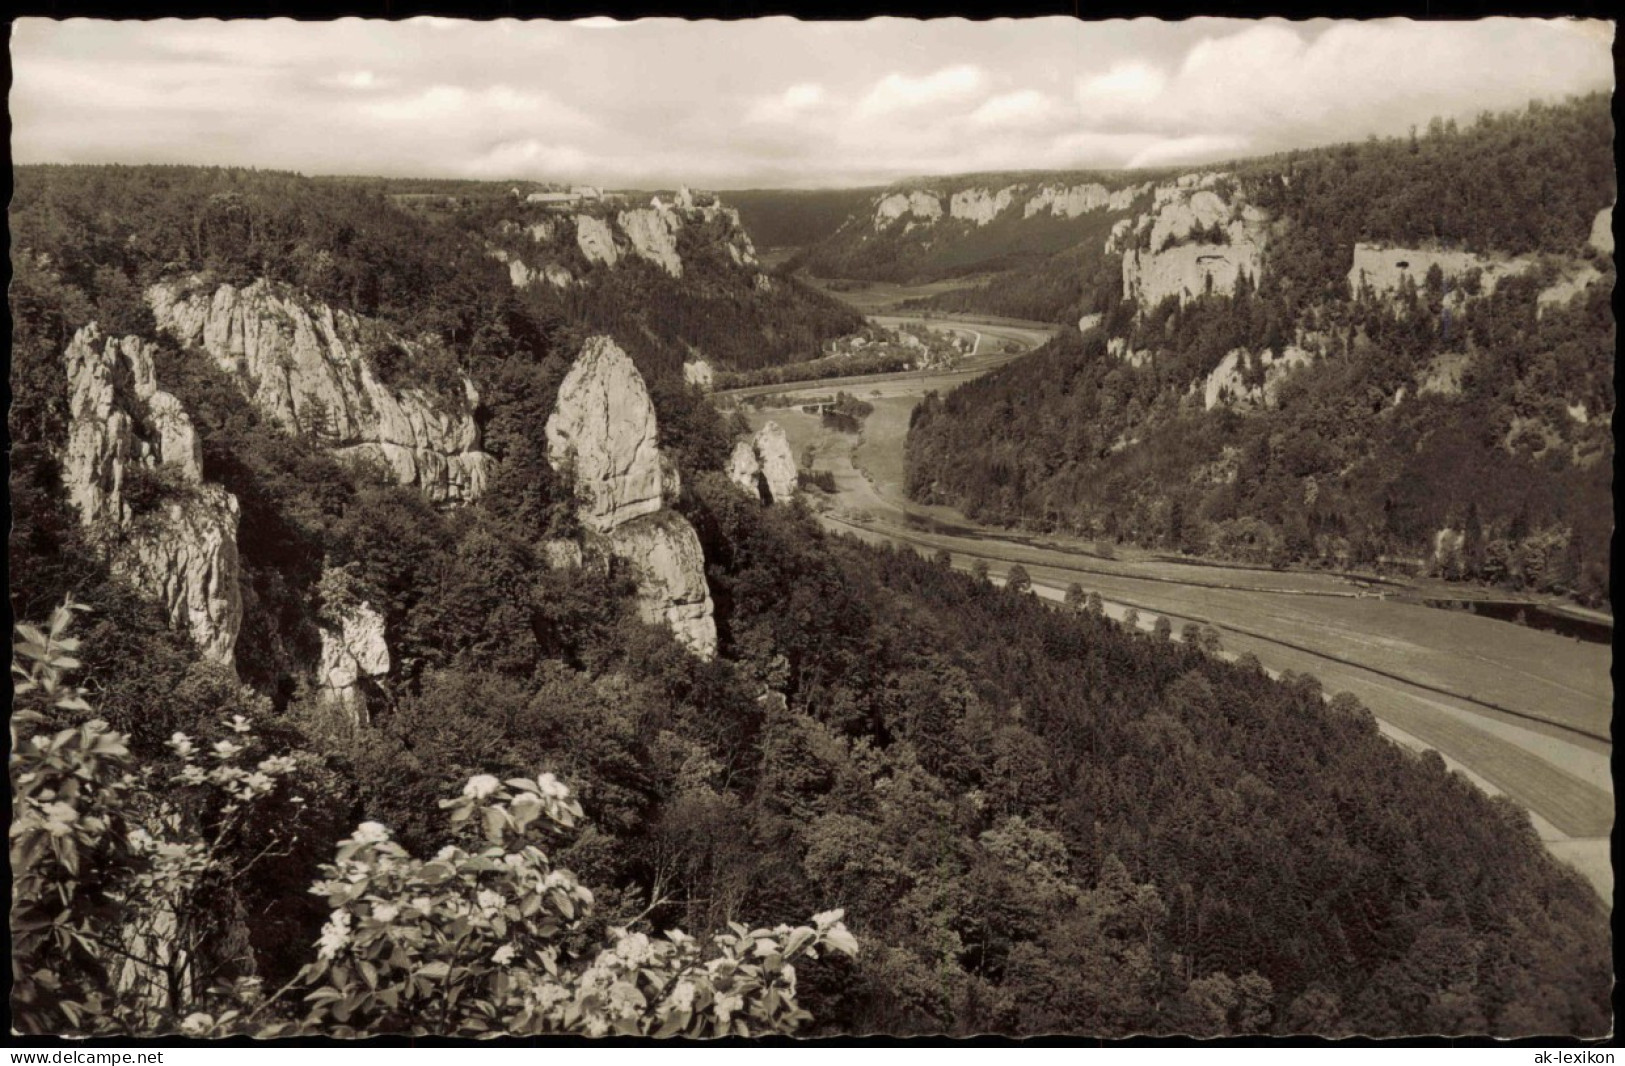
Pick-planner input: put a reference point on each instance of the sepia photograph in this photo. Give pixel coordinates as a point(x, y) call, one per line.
point(687, 529)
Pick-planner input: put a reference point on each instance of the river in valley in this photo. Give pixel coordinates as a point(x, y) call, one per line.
point(1522, 711)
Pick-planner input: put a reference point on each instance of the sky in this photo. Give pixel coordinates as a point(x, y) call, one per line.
point(771, 103)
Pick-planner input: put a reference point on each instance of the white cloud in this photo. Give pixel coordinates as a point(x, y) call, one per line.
point(531, 157)
point(1122, 89)
point(1025, 108)
point(789, 105)
point(1280, 84)
point(355, 79)
point(758, 102)
point(1196, 148)
point(900, 92)
point(469, 107)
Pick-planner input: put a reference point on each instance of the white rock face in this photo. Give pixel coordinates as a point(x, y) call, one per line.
point(1188, 271)
point(184, 553)
point(1384, 270)
point(1447, 545)
point(652, 233)
point(1602, 231)
point(603, 429)
point(1089, 322)
point(663, 552)
point(596, 240)
point(698, 372)
point(745, 469)
point(764, 465)
point(352, 648)
point(1226, 386)
point(523, 275)
point(561, 554)
point(1160, 259)
point(1574, 281)
point(924, 206)
point(1071, 201)
point(303, 365)
point(980, 206)
point(778, 462)
point(603, 432)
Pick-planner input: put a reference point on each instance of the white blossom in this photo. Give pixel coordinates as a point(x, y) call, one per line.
point(552, 786)
point(335, 934)
point(370, 833)
point(481, 786)
point(503, 955)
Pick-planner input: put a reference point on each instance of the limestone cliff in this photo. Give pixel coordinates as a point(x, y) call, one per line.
point(1383, 271)
point(699, 372)
point(353, 648)
point(179, 548)
point(918, 204)
point(1602, 231)
point(603, 434)
point(1194, 240)
point(1228, 384)
point(764, 465)
point(305, 366)
point(1070, 201)
point(563, 250)
point(603, 431)
point(980, 206)
point(652, 233)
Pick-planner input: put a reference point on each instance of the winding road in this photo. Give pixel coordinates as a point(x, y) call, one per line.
point(1521, 712)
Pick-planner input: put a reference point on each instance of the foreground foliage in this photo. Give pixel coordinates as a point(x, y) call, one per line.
point(109, 876)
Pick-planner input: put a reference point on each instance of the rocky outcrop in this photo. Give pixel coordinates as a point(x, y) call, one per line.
point(307, 368)
point(596, 240)
point(980, 206)
point(603, 434)
point(1193, 241)
point(698, 372)
point(1070, 201)
point(652, 233)
point(919, 205)
point(603, 431)
point(1384, 271)
point(663, 554)
point(353, 649)
point(765, 466)
point(1602, 231)
point(1118, 349)
point(1228, 385)
point(523, 275)
point(179, 548)
point(1447, 546)
point(1188, 271)
point(1571, 283)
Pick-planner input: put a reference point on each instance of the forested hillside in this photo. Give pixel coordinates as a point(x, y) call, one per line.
point(1031, 231)
point(794, 218)
point(1034, 820)
point(1454, 414)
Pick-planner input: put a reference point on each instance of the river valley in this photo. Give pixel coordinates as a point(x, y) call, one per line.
point(1521, 711)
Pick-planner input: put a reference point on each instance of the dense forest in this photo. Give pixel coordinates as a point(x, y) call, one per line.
point(793, 218)
point(1034, 820)
point(1360, 458)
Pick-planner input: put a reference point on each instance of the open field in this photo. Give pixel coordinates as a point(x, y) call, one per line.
point(1522, 712)
point(871, 297)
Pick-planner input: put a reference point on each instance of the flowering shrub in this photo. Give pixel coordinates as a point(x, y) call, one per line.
point(110, 918)
point(469, 942)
